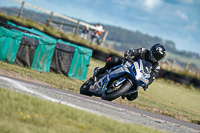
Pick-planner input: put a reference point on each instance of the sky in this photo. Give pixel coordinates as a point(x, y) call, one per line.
point(175, 20)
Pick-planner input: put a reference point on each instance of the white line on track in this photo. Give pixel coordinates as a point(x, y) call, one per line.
point(20, 87)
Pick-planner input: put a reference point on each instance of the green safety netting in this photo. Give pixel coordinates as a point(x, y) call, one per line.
point(9, 44)
point(80, 63)
point(44, 54)
point(32, 30)
point(45, 51)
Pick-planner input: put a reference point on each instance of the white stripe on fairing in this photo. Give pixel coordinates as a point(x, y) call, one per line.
point(20, 87)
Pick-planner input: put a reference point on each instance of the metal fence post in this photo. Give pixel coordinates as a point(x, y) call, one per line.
point(196, 69)
point(104, 38)
point(73, 30)
point(187, 66)
point(50, 20)
point(77, 27)
point(174, 64)
point(61, 25)
point(21, 10)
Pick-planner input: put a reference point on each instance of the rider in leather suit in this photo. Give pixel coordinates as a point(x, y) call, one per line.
point(155, 54)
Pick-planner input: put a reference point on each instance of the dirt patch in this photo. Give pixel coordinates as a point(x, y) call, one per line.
point(16, 75)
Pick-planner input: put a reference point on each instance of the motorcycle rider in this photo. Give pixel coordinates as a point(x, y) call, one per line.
point(155, 54)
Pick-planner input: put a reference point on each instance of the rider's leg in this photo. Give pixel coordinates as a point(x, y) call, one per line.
point(111, 62)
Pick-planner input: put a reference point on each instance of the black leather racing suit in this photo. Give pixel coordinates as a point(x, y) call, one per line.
point(140, 53)
point(144, 54)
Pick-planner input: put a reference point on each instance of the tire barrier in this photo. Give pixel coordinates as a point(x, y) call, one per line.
point(28, 47)
point(178, 78)
point(26, 52)
point(62, 58)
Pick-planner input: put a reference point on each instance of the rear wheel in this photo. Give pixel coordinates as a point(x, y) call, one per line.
point(117, 93)
point(84, 89)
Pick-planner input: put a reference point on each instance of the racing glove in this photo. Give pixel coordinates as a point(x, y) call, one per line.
point(145, 87)
point(129, 58)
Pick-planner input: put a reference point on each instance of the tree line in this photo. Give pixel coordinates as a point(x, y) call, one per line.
point(135, 39)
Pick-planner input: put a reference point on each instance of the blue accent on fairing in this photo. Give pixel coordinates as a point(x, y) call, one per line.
point(104, 85)
point(138, 63)
point(110, 77)
point(115, 67)
point(131, 70)
point(132, 73)
point(120, 81)
point(142, 84)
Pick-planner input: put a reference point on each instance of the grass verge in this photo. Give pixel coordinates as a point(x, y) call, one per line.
point(169, 99)
point(162, 96)
point(20, 113)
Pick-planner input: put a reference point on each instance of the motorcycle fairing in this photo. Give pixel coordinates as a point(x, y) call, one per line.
point(115, 72)
point(139, 70)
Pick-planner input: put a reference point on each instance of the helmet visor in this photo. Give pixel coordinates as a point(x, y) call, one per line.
point(157, 55)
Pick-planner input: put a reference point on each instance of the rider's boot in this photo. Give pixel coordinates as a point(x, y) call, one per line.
point(95, 75)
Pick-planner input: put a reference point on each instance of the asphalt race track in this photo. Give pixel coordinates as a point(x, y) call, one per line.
point(101, 107)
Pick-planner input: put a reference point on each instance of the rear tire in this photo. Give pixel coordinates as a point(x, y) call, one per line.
point(119, 92)
point(84, 89)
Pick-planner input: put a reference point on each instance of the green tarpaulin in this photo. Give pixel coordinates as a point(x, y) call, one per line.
point(9, 44)
point(44, 54)
point(80, 63)
point(10, 41)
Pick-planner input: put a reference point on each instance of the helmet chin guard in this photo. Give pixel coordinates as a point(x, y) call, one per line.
point(152, 58)
point(157, 52)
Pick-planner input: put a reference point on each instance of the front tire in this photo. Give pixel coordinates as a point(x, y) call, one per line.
point(132, 96)
point(84, 89)
point(119, 92)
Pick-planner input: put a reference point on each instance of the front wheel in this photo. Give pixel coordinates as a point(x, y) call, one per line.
point(117, 93)
point(84, 89)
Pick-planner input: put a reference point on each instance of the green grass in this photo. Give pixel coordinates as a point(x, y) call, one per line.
point(53, 79)
point(170, 99)
point(20, 113)
point(163, 97)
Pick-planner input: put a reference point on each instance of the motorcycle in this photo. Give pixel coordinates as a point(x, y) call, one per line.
point(121, 80)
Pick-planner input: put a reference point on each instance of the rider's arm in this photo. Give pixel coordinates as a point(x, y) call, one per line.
point(154, 74)
point(134, 52)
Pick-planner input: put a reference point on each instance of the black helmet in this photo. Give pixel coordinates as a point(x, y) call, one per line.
point(157, 52)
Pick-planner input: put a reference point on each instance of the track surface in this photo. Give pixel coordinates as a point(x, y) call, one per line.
point(101, 107)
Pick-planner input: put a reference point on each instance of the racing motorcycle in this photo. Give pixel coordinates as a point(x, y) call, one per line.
point(121, 80)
